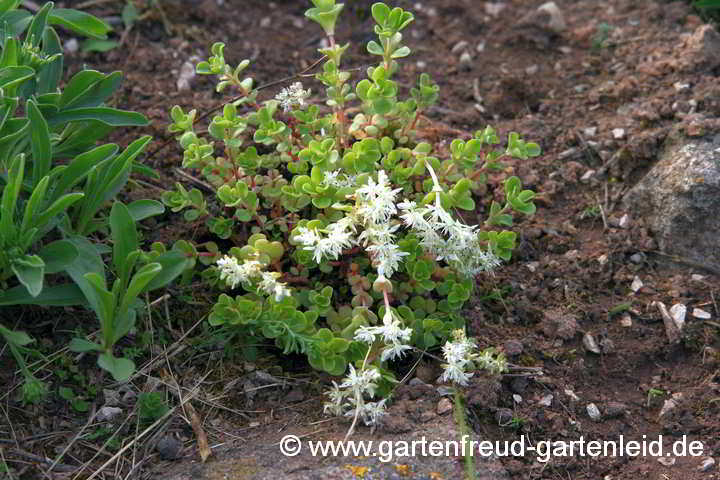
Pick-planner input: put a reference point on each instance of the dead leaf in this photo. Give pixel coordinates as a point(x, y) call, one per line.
point(196, 424)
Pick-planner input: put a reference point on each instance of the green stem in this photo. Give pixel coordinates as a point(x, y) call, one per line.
point(461, 421)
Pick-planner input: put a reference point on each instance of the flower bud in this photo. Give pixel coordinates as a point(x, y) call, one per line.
point(382, 284)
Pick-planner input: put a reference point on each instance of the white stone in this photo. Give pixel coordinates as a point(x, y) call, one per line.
point(587, 176)
point(636, 284)
point(667, 461)
point(590, 131)
point(494, 8)
point(106, 414)
point(626, 321)
point(593, 412)
point(618, 133)
point(707, 464)
point(700, 313)
point(517, 398)
point(678, 312)
point(465, 57)
point(557, 19)
point(624, 221)
point(71, 46)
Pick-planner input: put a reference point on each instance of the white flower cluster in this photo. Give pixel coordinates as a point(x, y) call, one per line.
point(440, 233)
point(392, 334)
point(374, 209)
point(292, 95)
point(333, 179)
point(233, 273)
point(338, 236)
point(448, 239)
point(348, 398)
point(460, 356)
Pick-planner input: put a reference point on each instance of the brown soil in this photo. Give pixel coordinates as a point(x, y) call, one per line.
point(573, 261)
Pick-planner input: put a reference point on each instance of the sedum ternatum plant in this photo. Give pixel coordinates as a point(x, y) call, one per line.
point(348, 246)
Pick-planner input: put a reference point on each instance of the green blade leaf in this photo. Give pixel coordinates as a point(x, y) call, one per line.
point(106, 115)
point(37, 26)
point(80, 22)
point(15, 337)
point(14, 76)
point(40, 142)
point(50, 74)
point(137, 285)
point(7, 5)
point(58, 255)
point(30, 270)
point(145, 208)
point(55, 296)
point(124, 236)
point(106, 303)
point(119, 368)
point(79, 168)
point(81, 345)
point(173, 264)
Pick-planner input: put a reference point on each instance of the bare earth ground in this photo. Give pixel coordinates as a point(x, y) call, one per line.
point(567, 92)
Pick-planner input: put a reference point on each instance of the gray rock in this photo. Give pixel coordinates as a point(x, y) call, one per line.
point(558, 324)
point(169, 447)
point(513, 348)
point(679, 199)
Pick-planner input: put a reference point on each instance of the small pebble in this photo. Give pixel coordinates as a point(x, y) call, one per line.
point(697, 278)
point(546, 401)
point(590, 344)
point(444, 406)
point(513, 348)
point(618, 133)
point(678, 312)
point(517, 398)
point(700, 313)
point(667, 461)
point(169, 447)
point(71, 46)
point(636, 284)
point(108, 413)
point(590, 131)
point(265, 22)
point(494, 8)
point(707, 464)
point(626, 321)
point(637, 258)
point(480, 47)
point(624, 221)
point(587, 176)
point(593, 412)
point(465, 58)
